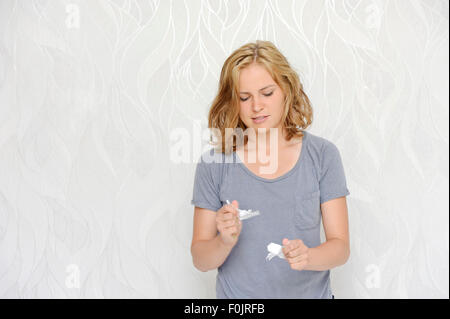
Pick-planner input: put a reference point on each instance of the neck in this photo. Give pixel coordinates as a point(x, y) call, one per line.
point(269, 138)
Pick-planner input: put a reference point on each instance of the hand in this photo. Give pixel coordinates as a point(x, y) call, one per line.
point(296, 253)
point(228, 223)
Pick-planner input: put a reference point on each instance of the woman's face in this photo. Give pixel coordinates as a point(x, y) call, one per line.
point(260, 96)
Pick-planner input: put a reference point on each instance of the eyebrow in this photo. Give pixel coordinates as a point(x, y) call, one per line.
point(260, 89)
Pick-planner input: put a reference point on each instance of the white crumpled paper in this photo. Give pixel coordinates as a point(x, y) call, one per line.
point(274, 250)
point(245, 214)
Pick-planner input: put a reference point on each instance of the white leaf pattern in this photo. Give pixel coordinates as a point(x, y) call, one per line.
point(90, 92)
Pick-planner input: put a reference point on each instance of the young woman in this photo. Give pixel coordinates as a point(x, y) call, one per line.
point(259, 91)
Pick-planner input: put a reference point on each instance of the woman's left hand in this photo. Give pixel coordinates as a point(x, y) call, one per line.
point(296, 253)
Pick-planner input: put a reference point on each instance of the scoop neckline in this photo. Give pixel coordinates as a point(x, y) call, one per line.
point(285, 175)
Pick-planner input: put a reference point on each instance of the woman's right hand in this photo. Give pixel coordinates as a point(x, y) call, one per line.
point(228, 223)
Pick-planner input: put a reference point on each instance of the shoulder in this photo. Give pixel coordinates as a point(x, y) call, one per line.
point(214, 163)
point(320, 148)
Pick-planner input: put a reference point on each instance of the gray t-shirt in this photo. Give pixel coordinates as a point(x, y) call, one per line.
point(289, 207)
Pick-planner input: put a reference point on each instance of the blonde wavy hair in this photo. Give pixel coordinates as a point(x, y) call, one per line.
point(224, 111)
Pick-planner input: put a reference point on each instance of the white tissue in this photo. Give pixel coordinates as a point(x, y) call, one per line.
point(245, 214)
point(274, 250)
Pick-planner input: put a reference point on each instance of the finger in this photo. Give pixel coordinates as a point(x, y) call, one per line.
point(286, 245)
point(299, 243)
point(299, 265)
point(233, 211)
point(235, 206)
point(295, 252)
point(302, 247)
point(227, 229)
point(231, 230)
point(297, 259)
point(228, 216)
point(232, 227)
point(231, 207)
point(286, 249)
point(291, 245)
point(227, 208)
point(229, 223)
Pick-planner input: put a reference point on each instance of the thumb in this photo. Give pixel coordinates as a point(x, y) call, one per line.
point(235, 204)
point(285, 242)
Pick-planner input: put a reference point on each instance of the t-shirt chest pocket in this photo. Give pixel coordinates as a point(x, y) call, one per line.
point(307, 210)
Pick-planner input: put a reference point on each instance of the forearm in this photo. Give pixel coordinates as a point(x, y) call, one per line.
point(209, 254)
point(330, 254)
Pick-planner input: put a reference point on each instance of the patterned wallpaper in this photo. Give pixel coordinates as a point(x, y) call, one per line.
point(96, 96)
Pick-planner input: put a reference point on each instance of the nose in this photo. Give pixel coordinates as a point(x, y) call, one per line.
point(256, 107)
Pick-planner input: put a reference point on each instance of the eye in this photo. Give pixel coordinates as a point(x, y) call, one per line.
point(268, 94)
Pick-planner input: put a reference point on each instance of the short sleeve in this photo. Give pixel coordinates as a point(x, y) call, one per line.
point(332, 181)
point(206, 187)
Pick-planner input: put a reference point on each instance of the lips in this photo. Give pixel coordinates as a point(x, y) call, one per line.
point(260, 119)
